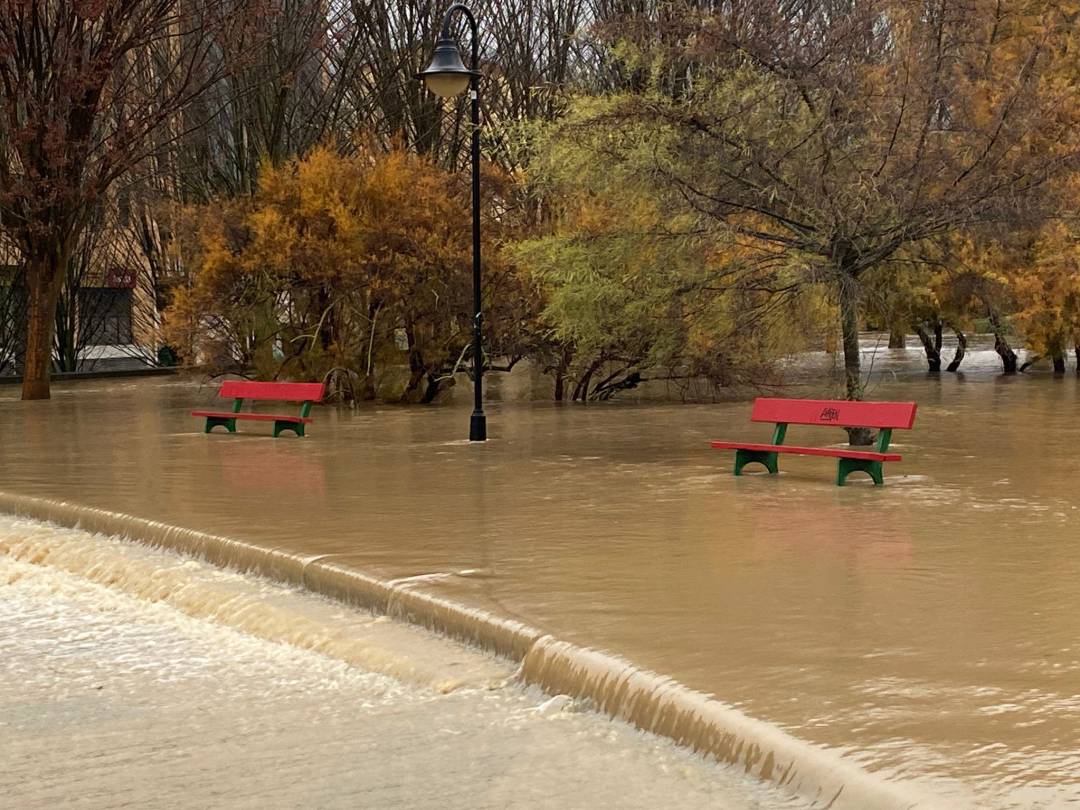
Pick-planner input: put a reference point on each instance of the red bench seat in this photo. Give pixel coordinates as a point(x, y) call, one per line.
point(832, 452)
point(884, 416)
point(253, 417)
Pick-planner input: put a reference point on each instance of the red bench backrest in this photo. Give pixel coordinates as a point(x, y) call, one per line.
point(279, 391)
point(838, 413)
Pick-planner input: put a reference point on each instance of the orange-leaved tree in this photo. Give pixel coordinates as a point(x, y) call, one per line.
point(360, 263)
point(1045, 285)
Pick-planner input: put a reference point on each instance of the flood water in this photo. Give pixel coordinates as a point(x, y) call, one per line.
point(928, 630)
point(179, 685)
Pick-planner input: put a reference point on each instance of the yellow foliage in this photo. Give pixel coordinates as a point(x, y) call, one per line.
point(1046, 287)
point(331, 261)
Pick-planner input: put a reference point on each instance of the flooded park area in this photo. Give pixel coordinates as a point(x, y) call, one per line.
point(927, 632)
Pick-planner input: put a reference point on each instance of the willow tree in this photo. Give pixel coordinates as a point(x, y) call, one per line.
point(842, 132)
point(85, 85)
point(636, 287)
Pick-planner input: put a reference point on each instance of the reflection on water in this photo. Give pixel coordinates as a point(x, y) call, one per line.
point(930, 629)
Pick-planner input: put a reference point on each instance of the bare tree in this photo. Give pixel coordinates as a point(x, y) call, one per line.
point(77, 113)
point(530, 55)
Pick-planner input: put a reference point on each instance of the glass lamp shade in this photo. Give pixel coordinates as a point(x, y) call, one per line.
point(446, 84)
point(446, 75)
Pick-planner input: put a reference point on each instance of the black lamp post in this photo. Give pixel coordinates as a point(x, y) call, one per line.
point(447, 76)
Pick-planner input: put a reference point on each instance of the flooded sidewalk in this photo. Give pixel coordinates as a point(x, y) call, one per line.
point(928, 631)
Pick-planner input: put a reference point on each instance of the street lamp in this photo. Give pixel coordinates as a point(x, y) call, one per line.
point(447, 76)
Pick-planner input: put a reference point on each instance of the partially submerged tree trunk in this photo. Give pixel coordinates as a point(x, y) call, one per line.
point(43, 281)
point(1006, 353)
point(1057, 354)
point(1076, 351)
point(561, 371)
point(961, 350)
point(896, 338)
point(1001, 345)
point(608, 387)
point(432, 388)
point(581, 390)
point(932, 346)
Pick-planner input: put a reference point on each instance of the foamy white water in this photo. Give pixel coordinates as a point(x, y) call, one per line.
point(134, 677)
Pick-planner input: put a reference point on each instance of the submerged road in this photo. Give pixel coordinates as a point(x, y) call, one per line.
point(147, 693)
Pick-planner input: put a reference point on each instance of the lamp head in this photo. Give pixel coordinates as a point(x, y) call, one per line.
point(447, 75)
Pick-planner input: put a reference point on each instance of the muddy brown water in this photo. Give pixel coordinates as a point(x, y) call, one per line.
point(928, 631)
point(132, 677)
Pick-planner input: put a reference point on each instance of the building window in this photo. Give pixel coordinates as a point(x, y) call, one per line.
point(105, 316)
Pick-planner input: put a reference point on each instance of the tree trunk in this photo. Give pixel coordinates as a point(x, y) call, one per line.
point(932, 346)
point(849, 326)
point(1059, 361)
point(581, 390)
point(1035, 358)
point(1005, 352)
point(1001, 345)
point(417, 369)
point(560, 386)
point(261, 353)
point(1076, 350)
point(43, 281)
point(327, 327)
point(849, 329)
point(369, 390)
point(432, 387)
point(561, 370)
point(896, 338)
point(961, 350)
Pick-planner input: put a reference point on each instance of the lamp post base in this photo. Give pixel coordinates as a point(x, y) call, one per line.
point(478, 427)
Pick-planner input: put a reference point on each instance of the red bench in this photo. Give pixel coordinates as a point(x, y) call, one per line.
point(305, 393)
point(884, 416)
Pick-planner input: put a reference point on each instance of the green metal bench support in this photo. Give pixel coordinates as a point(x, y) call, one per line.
point(214, 421)
point(229, 424)
point(295, 427)
point(874, 469)
point(770, 460)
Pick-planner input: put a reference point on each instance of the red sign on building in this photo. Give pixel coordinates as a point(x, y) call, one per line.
point(120, 278)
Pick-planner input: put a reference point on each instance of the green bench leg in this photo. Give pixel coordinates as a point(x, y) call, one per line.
point(769, 459)
point(295, 427)
point(213, 421)
point(847, 466)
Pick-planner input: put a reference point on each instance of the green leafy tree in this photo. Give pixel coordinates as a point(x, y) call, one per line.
point(839, 141)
